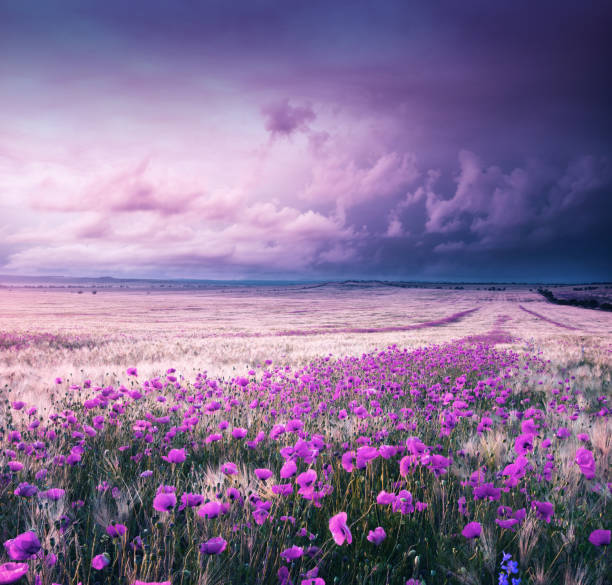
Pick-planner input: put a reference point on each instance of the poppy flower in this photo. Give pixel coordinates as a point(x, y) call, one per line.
point(175, 456)
point(210, 510)
point(385, 498)
point(100, 561)
point(524, 444)
point(239, 433)
point(25, 490)
point(544, 510)
point(116, 530)
point(472, 530)
point(403, 503)
point(282, 489)
point(306, 479)
point(586, 462)
point(288, 469)
point(229, 468)
point(293, 553)
point(339, 529)
point(377, 535)
point(213, 546)
point(191, 500)
point(23, 547)
point(164, 501)
point(11, 572)
point(53, 494)
point(347, 461)
point(263, 474)
point(600, 537)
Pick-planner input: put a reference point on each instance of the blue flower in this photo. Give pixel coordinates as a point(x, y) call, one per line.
point(512, 568)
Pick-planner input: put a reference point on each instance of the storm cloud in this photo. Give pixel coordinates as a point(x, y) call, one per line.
point(306, 140)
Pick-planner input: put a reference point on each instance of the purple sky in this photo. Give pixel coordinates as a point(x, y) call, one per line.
point(306, 140)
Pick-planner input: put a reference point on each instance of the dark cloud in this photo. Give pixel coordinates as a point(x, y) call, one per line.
point(490, 129)
point(281, 118)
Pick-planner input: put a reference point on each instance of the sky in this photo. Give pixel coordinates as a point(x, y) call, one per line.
point(306, 140)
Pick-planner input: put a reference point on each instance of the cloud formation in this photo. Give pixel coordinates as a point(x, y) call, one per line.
point(281, 118)
point(315, 141)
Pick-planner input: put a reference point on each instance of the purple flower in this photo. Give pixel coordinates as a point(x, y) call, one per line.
point(263, 474)
point(213, 546)
point(191, 500)
point(25, 490)
point(175, 456)
point(100, 561)
point(164, 501)
point(283, 489)
point(288, 469)
point(403, 503)
point(11, 572)
point(586, 462)
point(210, 510)
point(306, 481)
point(239, 433)
point(487, 490)
point(53, 494)
point(544, 510)
point(523, 444)
point(385, 498)
point(472, 530)
point(339, 529)
point(132, 372)
point(347, 461)
point(23, 547)
point(290, 554)
point(229, 468)
point(377, 535)
point(600, 537)
point(116, 530)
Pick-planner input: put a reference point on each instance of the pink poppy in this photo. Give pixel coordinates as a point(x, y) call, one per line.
point(11, 572)
point(263, 474)
point(544, 510)
point(23, 547)
point(288, 469)
point(100, 561)
point(116, 530)
point(377, 535)
point(293, 553)
point(229, 468)
point(339, 529)
point(213, 546)
point(175, 456)
point(385, 498)
point(164, 501)
point(586, 462)
point(472, 530)
point(600, 537)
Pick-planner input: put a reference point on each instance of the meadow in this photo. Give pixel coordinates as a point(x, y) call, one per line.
point(313, 435)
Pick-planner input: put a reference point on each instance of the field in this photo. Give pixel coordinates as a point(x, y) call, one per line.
point(345, 433)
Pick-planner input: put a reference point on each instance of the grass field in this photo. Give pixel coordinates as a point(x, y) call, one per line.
point(332, 434)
